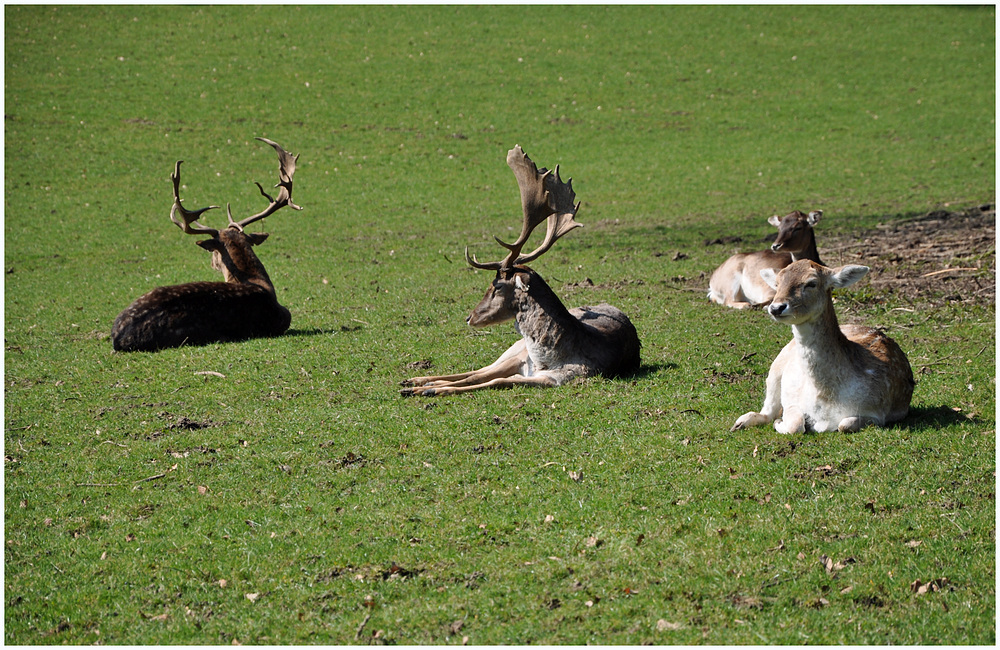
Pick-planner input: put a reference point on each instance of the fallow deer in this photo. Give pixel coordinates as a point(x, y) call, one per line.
point(828, 377)
point(737, 283)
point(558, 344)
point(243, 306)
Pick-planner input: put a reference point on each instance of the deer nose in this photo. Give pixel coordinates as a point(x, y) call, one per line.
point(776, 246)
point(777, 308)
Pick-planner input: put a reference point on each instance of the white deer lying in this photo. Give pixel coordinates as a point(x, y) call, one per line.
point(558, 344)
point(737, 282)
point(828, 377)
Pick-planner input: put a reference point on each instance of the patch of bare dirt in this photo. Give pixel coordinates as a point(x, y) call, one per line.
point(587, 283)
point(937, 257)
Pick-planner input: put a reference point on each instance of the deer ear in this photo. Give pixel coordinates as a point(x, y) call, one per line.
point(845, 276)
point(770, 278)
point(814, 217)
point(519, 283)
point(775, 221)
point(210, 245)
point(257, 237)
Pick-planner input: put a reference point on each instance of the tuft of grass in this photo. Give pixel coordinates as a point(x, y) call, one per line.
point(298, 498)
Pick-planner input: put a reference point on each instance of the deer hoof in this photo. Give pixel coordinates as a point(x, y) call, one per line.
point(852, 425)
point(790, 425)
point(747, 420)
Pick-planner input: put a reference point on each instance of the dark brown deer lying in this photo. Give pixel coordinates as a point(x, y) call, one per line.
point(242, 307)
point(737, 283)
point(558, 344)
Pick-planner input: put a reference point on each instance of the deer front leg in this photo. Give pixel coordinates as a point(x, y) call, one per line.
point(498, 382)
point(422, 381)
point(516, 352)
point(772, 400)
point(751, 419)
point(510, 363)
point(792, 421)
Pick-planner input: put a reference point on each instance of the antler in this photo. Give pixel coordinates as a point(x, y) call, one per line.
point(543, 196)
point(286, 169)
point(188, 217)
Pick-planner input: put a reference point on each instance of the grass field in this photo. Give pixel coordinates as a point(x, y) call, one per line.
point(297, 498)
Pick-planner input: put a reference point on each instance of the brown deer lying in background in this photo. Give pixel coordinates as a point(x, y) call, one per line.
point(242, 307)
point(558, 344)
point(828, 377)
point(737, 283)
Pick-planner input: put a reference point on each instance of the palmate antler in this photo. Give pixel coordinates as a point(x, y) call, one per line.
point(189, 219)
point(286, 169)
point(544, 196)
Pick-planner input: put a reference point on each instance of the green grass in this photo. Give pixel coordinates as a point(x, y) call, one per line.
point(134, 485)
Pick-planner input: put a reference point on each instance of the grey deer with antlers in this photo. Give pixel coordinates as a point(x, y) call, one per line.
point(243, 306)
point(558, 344)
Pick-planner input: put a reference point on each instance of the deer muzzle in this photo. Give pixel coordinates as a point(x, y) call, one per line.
point(776, 309)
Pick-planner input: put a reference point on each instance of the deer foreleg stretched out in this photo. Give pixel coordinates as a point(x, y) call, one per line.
point(557, 344)
point(737, 282)
point(828, 377)
point(243, 306)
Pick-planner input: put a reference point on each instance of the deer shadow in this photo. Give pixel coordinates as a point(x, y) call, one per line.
point(936, 416)
point(317, 331)
point(647, 369)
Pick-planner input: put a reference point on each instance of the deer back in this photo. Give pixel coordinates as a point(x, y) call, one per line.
point(618, 354)
point(198, 313)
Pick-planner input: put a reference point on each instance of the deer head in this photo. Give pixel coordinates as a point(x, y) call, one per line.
point(231, 247)
point(803, 290)
point(544, 197)
point(794, 231)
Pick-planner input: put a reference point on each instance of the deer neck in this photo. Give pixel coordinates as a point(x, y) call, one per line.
point(541, 317)
point(240, 265)
point(810, 252)
point(822, 346)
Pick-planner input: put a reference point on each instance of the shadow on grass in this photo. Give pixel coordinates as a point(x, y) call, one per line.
point(936, 416)
point(647, 369)
point(316, 331)
point(642, 372)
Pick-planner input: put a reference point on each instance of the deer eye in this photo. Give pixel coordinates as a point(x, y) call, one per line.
point(811, 284)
